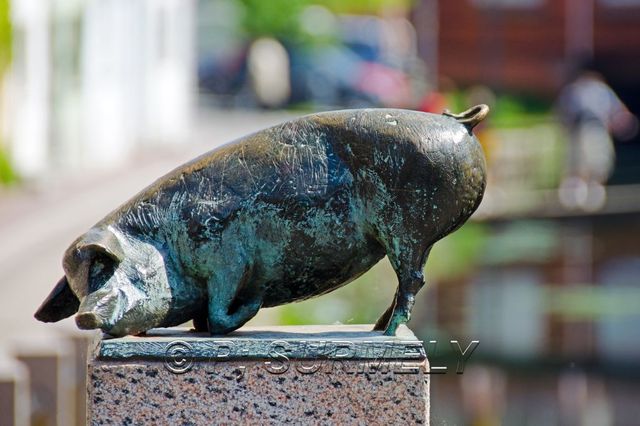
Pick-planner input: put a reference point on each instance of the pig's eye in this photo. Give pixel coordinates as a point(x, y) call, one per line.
point(101, 270)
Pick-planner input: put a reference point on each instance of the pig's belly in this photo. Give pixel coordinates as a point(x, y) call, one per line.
point(322, 251)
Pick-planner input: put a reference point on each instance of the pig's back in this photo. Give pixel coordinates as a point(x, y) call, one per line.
point(288, 200)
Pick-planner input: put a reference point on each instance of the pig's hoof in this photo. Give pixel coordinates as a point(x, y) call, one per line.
point(390, 331)
point(221, 330)
point(391, 328)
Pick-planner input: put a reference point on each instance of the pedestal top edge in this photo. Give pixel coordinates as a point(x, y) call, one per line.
point(264, 342)
point(347, 332)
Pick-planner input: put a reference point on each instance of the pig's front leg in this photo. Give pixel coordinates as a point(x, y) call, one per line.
point(233, 299)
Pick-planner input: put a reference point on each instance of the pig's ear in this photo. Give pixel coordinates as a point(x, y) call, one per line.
point(61, 303)
point(102, 241)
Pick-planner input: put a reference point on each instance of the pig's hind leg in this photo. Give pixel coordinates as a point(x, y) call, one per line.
point(408, 262)
point(233, 299)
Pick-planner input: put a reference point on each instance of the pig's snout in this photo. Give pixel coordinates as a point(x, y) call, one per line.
point(108, 308)
point(88, 321)
point(100, 309)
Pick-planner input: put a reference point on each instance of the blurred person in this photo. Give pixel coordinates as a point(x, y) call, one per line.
point(592, 114)
point(268, 64)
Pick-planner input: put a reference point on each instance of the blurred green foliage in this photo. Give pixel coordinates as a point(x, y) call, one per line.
point(281, 18)
point(371, 7)
point(5, 36)
point(7, 174)
point(457, 254)
point(511, 110)
point(524, 242)
point(592, 302)
point(360, 302)
point(508, 109)
point(275, 18)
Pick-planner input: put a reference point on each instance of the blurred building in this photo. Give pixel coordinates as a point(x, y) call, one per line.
point(90, 80)
point(532, 45)
point(550, 291)
point(552, 297)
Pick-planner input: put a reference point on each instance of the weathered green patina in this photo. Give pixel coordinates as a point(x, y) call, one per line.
point(282, 215)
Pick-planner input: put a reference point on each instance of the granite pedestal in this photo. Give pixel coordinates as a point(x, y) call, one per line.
point(311, 374)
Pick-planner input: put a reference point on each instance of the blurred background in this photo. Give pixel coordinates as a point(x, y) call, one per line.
point(99, 98)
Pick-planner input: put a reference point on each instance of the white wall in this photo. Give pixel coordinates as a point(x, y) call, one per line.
point(28, 112)
point(92, 79)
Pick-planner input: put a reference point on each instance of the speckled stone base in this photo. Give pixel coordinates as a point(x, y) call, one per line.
point(346, 386)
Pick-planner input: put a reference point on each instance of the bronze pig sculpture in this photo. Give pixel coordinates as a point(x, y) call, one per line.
point(282, 215)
